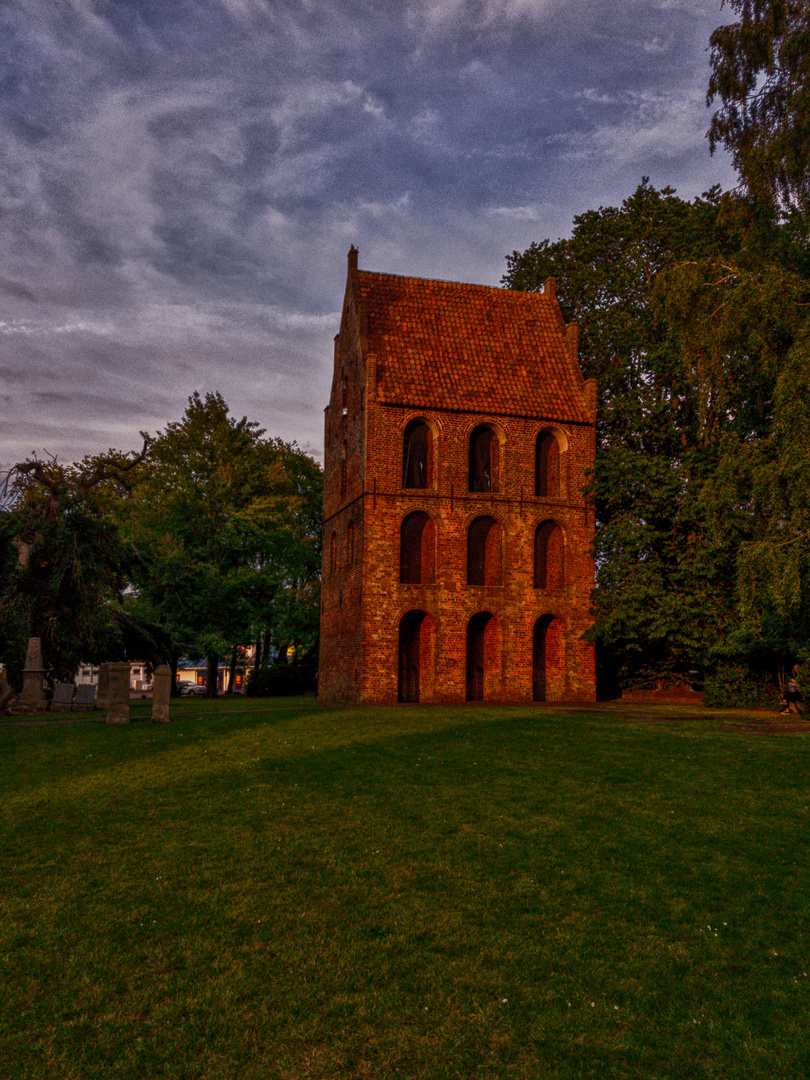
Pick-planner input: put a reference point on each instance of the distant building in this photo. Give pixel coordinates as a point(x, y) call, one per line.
point(457, 540)
point(188, 671)
point(196, 673)
point(140, 677)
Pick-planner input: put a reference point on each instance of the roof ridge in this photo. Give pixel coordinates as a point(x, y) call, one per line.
point(464, 284)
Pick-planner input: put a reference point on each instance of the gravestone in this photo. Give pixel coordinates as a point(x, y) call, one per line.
point(32, 698)
point(6, 693)
point(118, 700)
point(85, 696)
point(103, 695)
point(161, 692)
point(63, 695)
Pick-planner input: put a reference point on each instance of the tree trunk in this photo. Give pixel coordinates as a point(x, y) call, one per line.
point(232, 670)
point(175, 687)
point(211, 678)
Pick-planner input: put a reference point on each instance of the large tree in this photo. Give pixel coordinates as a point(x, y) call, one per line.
point(226, 527)
point(691, 333)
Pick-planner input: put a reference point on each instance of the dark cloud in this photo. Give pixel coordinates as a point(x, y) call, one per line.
point(181, 181)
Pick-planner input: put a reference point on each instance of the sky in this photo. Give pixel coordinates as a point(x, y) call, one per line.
point(181, 180)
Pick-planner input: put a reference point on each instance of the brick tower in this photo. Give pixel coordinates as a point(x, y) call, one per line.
point(457, 540)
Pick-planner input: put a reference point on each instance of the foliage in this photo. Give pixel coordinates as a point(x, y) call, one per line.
point(282, 680)
point(692, 320)
point(63, 567)
point(226, 525)
point(749, 327)
point(736, 686)
point(761, 76)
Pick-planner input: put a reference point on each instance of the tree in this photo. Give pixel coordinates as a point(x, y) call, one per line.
point(63, 567)
point(761, 76)
point(226, 526)
point(690, 324)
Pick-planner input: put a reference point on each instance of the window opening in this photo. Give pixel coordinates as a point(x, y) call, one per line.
point(417, 447)
point(484, 454)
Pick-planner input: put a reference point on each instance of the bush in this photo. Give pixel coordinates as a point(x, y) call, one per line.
point(734, 685)
point(281, 680)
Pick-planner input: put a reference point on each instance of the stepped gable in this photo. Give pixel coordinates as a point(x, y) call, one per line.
point(448, 345)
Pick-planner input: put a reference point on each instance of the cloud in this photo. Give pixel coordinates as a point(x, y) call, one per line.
point(479, 13)
point(518, 213)
point(181, 182)
point(650, 127)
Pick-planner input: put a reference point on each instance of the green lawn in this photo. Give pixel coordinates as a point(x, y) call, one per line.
point(278, 890)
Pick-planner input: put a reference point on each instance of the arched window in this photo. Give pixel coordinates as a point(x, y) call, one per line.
point(417, 455)
point(484, 459)
point(333, 553)
point(417, 550)
point(549, 556)
point(344, 396)
point(343, 470)
point(484, 552)
point(547, 467)
point(350, 544)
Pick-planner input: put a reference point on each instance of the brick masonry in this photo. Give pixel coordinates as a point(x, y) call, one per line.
point(455, 356)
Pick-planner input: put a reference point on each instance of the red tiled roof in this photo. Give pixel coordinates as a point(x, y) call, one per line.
point(446, 345)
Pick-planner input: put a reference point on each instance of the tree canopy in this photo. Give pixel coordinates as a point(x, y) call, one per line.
point(225, 524)
point(693, 326)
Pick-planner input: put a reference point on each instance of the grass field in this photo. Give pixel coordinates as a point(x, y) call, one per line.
point(286, 891)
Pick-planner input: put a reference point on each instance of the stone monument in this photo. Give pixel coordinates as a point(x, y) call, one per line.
point(118, 700)
point(103, 694)
point(32, 698)
point(161, 692)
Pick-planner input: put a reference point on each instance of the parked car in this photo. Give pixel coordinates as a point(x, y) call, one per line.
point(188, 688)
